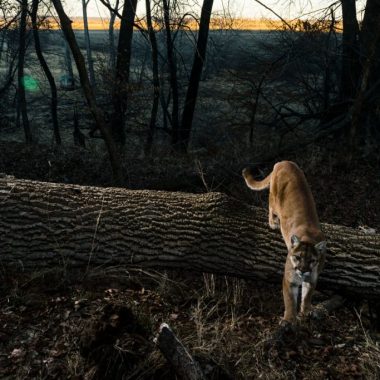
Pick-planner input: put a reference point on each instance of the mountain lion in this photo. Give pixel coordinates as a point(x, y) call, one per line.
point(292, 209)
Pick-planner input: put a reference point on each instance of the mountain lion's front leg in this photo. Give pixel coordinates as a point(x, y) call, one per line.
point(307, 292)
point(290, 293)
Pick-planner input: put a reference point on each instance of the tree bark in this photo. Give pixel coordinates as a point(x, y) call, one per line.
point(49, 75)
point(47, 224)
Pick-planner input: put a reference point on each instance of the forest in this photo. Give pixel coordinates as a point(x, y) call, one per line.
point(132, 244)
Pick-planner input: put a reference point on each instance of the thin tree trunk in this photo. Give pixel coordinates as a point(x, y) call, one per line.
point(369, 38)
point(156, 80)
point(195, 76)
point(21, 79)
point(49, 76)
point(47, 224)
point(365, 113)
point(88, 92)
point(111, 37)
point(3, 35)
point(173, 73)
point(327, 84)
point(9, 77)
point(350, 51)
point(70, 83)
point(18, 112)
point(123, 62)
point(88, 44)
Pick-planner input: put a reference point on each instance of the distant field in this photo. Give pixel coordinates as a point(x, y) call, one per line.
point(96, 23)
point(217, 23)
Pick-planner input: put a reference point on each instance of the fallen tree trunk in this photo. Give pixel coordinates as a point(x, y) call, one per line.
point(45, 224)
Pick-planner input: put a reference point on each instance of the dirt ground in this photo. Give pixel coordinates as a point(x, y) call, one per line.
point(102, 327)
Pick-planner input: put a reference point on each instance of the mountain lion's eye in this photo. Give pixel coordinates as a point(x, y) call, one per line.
point(298, 258)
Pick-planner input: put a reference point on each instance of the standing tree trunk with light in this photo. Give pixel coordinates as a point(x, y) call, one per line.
point(195, 76)
point(156, 80)
point(111, 37)
point(69, 81)
point(87, 41)
point(123, 62)
point(172, 74)
point(20, 76)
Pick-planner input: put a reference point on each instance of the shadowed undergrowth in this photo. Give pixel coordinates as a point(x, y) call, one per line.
point(54, 325)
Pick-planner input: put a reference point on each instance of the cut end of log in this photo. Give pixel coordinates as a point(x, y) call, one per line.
point(164, 326)
point(177, 355)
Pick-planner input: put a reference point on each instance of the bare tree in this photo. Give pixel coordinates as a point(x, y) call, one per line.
point(172, 72)
point(365, 112)
point(156, 80)
point(9, 50)
point(111, 35)
point(90, 61)
point(350, 51)
point(96, 111)
point(45, 67)
point(123, 61)
point(195, 76)
point(2, 42)
point(21, 79)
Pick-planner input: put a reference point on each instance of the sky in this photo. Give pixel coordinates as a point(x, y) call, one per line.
point(240, 8)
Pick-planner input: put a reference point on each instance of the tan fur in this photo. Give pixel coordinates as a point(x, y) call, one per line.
point(292, 209)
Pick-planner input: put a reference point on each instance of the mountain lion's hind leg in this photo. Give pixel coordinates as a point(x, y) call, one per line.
point(274, 221)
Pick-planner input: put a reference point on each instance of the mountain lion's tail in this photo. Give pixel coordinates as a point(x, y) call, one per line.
point(253, 184)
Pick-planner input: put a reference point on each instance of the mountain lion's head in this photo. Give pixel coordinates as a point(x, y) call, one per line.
point(305, 257)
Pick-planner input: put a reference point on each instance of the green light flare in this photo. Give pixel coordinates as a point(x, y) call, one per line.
point(29, 83)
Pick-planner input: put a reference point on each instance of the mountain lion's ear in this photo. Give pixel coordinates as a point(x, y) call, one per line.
point(295, 241)
point(320, 247)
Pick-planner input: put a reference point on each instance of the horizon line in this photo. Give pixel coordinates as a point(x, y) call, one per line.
point(216, 23)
